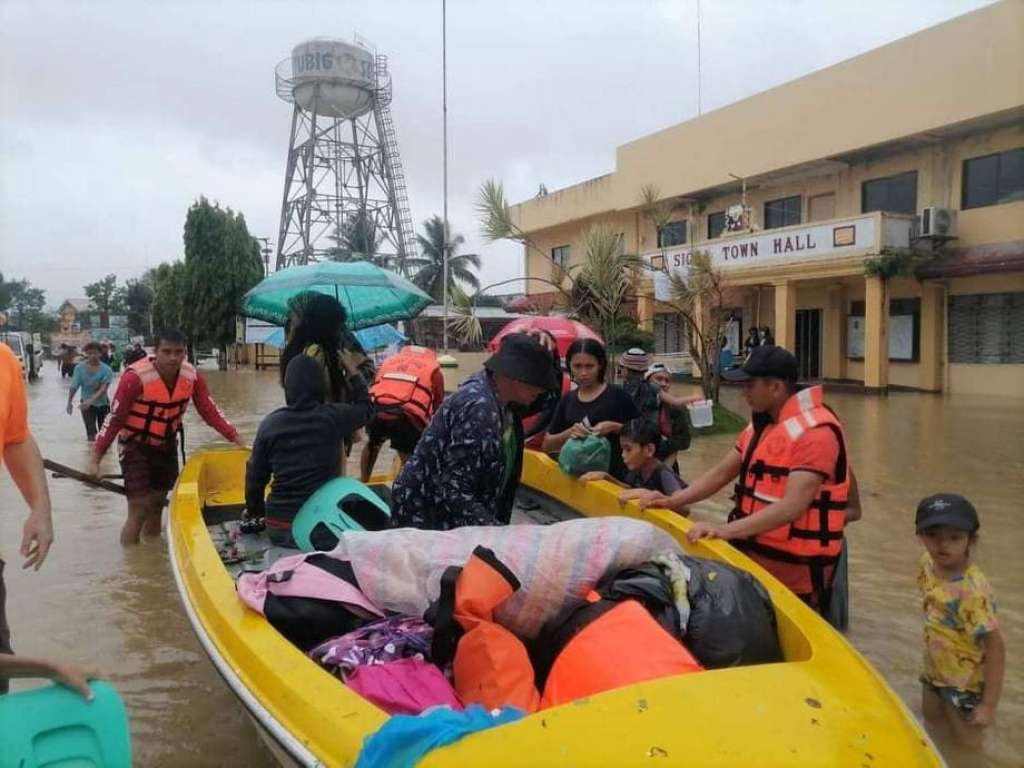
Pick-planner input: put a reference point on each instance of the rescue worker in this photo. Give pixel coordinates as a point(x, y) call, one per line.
point(795, 490)
point(407, 389)
point(146, 417)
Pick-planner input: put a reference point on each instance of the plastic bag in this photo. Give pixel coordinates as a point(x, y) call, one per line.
point(579, 455)
point(732, 621)
point(400, 570)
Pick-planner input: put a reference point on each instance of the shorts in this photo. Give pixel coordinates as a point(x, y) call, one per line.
point(5, 632)
point(147, 469)
point(403, 433)
point(963, 702)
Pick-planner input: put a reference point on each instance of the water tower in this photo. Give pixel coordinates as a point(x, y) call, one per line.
point(344, 174)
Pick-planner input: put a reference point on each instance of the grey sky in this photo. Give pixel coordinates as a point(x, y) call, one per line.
point(117, 115)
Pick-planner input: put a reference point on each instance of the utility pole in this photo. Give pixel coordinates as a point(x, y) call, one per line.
point(444, 130)
point(266, 251)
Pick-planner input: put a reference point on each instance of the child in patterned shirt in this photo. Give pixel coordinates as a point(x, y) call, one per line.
point(964, 657)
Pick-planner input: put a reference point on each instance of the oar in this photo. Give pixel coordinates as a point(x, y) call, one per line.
point(81, 477)
point(58, 476)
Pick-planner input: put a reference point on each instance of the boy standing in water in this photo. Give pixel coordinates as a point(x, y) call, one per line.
point(93, 376)
point(964, 657)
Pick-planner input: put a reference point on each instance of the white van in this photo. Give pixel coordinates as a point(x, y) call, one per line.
point(19, 342)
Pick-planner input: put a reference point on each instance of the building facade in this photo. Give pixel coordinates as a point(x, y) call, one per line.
point(871, 214)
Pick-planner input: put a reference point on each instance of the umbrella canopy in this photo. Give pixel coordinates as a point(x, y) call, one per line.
point(370, 294)
point(372, 338)
point(564, 330)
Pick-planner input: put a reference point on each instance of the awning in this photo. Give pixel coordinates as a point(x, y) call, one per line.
point(535, 302)
point(987, 259)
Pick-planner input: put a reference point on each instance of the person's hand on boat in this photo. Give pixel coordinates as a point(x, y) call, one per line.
point(240, 442)
point(647, 498)
point(36, 538)
point(707, 531)
point(590, 477)
point(982, 716)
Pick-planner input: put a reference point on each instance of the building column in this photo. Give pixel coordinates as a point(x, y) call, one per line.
point(834, 333)
point(933, 322)
point(645, 304)
point(785, 315)
point(876, 334)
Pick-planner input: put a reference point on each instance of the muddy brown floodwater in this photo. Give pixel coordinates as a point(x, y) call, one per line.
point(117, 610)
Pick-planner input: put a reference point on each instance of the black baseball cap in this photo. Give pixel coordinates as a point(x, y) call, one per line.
point(946, 509)
point(768, 362)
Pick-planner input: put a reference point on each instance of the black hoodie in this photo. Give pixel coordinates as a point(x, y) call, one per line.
point(300, 444)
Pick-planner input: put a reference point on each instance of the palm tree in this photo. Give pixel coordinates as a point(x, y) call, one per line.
point(357, 239)
point(428, 267)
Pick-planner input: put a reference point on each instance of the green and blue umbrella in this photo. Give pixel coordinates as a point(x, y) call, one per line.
point(371, 295)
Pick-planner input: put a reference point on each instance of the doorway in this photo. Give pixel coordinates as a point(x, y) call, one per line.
point(808, 343)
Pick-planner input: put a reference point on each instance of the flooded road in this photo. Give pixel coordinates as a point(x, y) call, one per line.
point(117, 611)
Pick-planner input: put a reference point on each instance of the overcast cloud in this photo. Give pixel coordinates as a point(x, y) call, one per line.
point(117, 115)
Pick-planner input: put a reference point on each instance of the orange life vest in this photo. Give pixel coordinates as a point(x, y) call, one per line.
point(613, 644)
point(404, 382)
point(814, 539)
point(490, 665)
point(155, 417)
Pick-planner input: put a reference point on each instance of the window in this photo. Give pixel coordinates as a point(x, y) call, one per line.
point(716, 224)
point(904, 330)
point(783, 212)
point(669, 333)
point(560, 255)
point(893, 194)
point(673, 233)
point(993, 179)
point(986, 328)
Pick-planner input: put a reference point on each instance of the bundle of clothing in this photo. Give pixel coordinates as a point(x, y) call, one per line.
point(522, 617)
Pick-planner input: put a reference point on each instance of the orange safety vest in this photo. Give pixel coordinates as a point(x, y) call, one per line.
point(814, 539)
point(155, 417)
point(404, 382)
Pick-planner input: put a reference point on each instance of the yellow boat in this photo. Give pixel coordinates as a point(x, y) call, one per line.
point(825, 705)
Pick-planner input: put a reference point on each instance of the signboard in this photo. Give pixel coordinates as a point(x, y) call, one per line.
point(901, 337)
point(815, 241)
point(257, 331)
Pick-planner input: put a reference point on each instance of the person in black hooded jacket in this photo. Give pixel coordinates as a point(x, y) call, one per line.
point(300, 444)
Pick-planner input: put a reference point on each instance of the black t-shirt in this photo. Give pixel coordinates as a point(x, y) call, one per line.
point(662, 479)
point(614, 404)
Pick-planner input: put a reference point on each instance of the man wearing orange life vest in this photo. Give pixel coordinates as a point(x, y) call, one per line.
point(794, 490)
point(146, 416)
point(406, 391)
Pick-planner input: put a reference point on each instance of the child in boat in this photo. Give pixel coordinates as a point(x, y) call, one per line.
point(964, 655)
point(640, 439)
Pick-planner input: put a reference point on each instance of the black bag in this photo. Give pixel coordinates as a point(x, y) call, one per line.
point(732, 621)
point(649, 586)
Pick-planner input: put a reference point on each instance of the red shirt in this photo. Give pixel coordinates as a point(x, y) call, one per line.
point(129, 389)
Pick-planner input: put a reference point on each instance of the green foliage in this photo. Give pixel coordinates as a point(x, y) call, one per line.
point(428, 267)
point(891, 262)
point(495, 215)
point(725, 422)
point(105, 296)
point(465, 325)
point(24, 305)
point(602, 282)
point(357, 240)
point(222, 262)
point(137, 297)
point(170, 291)
point(626, 334)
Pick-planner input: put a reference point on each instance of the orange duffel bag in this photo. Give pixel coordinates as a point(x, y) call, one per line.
point(490, 665)
point(602, 645)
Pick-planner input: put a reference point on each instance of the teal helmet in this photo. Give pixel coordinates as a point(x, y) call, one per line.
point(339, 505)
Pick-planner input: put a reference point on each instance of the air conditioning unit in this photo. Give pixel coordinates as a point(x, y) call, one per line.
point(938, 222)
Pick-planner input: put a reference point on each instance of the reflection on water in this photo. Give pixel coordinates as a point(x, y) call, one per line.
point(118, 610)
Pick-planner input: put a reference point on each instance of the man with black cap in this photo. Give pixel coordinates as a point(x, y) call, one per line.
point(466, 466)
point(794, 487)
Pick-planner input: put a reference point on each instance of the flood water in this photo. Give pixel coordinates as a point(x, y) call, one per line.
point(117, 611)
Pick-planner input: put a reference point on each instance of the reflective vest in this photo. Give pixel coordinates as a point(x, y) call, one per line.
point(155, 417)
point(816, 537)
point(404, 382)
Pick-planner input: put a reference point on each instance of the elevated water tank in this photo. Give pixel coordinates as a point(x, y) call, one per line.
point(337, 76)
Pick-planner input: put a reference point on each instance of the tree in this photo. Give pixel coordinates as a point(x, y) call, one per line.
point(24, 304)
point(170, 285)
point(105, 295)
point(222, 262)
point(357, 239)
point(429, 265)
point(137, 298)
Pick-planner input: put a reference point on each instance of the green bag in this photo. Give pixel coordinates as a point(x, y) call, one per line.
point(592, 453)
